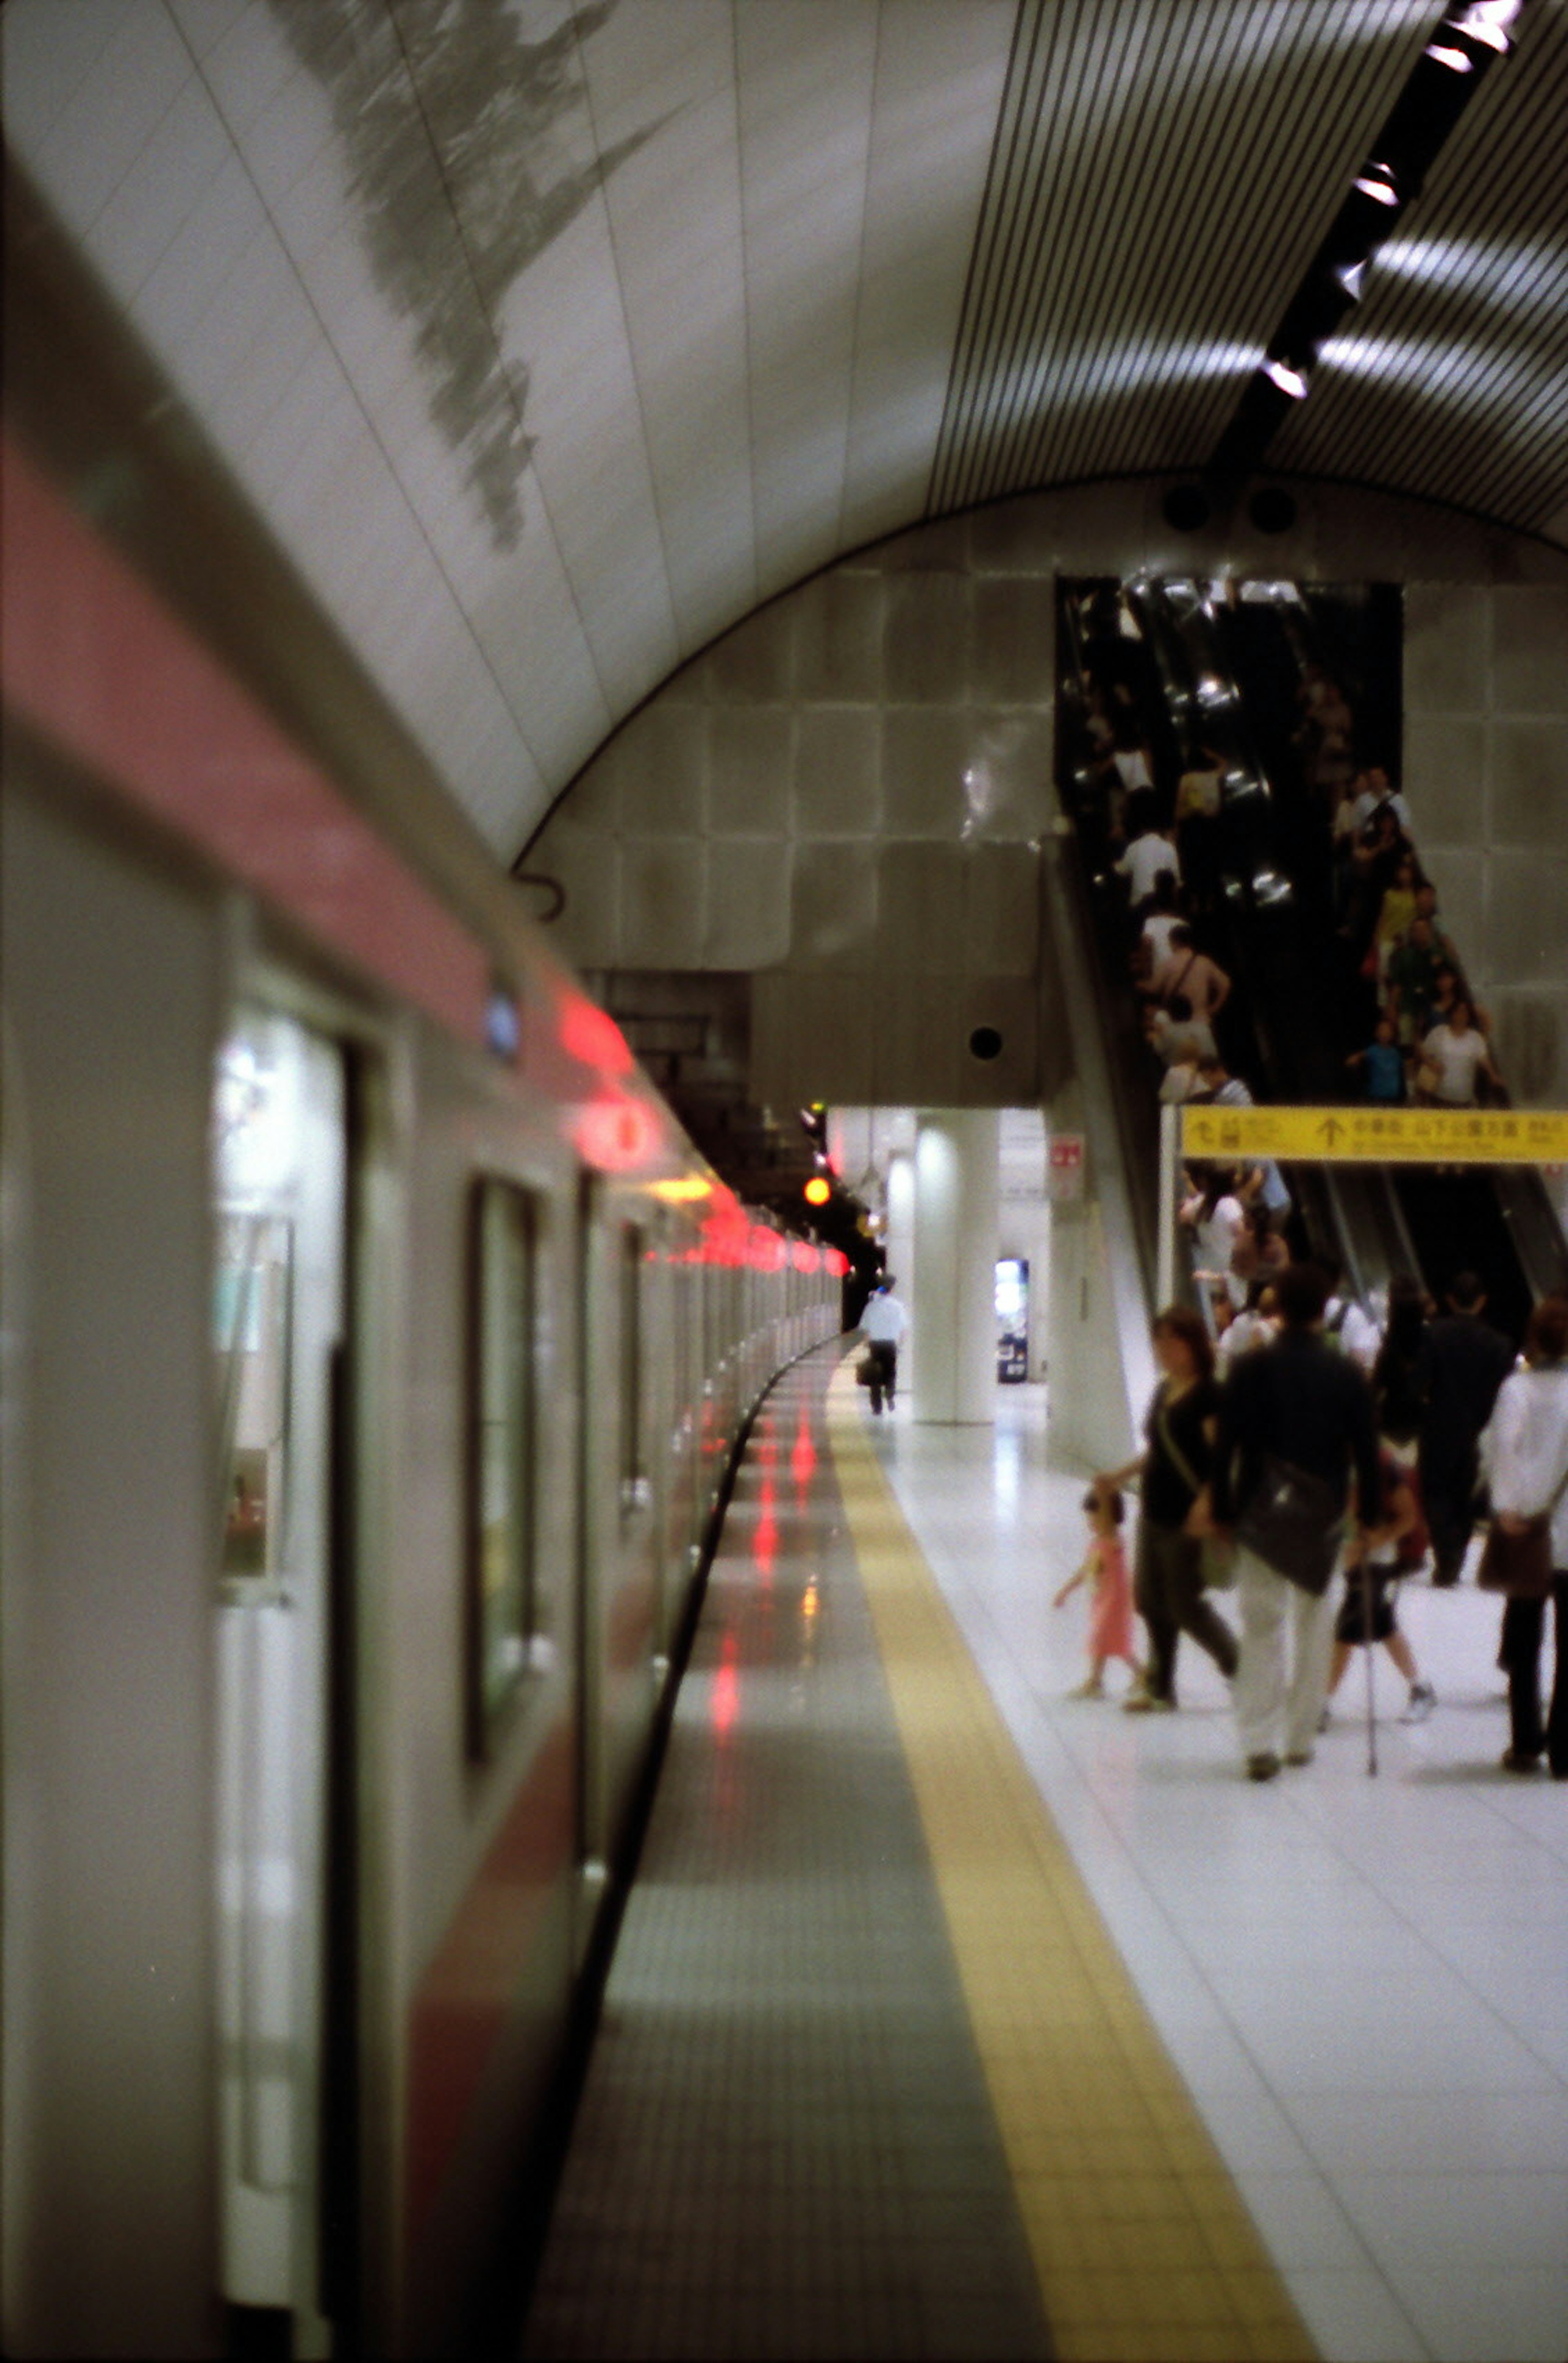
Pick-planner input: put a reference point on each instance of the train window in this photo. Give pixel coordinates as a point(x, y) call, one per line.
point(250, 1310)
point(281, 1186)
point(633, 1473)
point(501, 1588)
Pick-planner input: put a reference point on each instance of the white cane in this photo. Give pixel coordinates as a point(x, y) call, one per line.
point(1368, 1653)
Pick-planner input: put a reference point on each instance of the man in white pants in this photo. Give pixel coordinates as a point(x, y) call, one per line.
point(1295, 1417)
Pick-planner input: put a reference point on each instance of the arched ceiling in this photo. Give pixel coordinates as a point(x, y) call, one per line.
point(552, 336)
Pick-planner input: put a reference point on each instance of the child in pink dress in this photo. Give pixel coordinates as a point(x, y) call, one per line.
point(1110, 1592)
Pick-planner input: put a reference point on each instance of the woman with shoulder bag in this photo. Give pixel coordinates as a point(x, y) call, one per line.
point(1168, 1586)
point(1526, 1452)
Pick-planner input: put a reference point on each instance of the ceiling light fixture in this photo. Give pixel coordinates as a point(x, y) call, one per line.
point(1288, 380)
point(1462, 48)
point(1376, 182)
point(1490, 22)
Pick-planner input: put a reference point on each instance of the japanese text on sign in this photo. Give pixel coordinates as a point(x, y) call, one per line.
point(1371, 1135)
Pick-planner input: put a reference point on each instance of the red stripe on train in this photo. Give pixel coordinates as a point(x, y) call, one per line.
point(94, 662)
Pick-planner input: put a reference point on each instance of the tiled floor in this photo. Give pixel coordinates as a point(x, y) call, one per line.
point(1364, 1981)
point(784, 2147)
point(847, 2083)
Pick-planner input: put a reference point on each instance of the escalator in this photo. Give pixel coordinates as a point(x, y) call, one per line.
point(1096, 913)
point(1265, 937)
point(1500, 1222)
point(1253, 932)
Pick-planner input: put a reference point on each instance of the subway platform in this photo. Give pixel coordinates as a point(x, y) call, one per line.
point(952, 2016)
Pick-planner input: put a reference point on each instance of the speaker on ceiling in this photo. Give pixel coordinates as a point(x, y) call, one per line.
point(1271, 509)
point(1186, 509)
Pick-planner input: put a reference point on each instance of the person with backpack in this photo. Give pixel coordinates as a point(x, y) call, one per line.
point(1295, 1426)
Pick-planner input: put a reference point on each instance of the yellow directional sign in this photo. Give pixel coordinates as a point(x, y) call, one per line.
point(1373, 1136)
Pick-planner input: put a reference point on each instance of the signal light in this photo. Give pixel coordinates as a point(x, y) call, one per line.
point(819, 1190)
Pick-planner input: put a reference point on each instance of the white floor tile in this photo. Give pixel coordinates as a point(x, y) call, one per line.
point(1362, 2131)
point(1496, 2220)
point(1301, 2220)
point(1354, 2317)
point(1475, 2317)
point(1360, 1980)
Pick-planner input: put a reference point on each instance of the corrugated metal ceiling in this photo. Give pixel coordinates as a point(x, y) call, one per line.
point(1162, 176)
point(1452, 377)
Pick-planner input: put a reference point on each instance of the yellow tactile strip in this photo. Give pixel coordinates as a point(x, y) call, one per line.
point(1140, 2240)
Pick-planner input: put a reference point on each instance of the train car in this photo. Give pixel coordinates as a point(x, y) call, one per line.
point(373, 1345)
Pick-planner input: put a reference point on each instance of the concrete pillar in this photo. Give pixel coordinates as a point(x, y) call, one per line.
point(953, 1338)
point(898, 1240)
point(1089, 1388)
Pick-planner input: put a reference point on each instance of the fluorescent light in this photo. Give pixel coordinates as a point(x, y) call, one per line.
point(1443, 54)
point(1491, 22)
point(1289, 381)
point(1376, 182)
point(1351, 276)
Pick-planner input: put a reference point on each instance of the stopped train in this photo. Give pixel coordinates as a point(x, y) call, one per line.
point(374, 1347)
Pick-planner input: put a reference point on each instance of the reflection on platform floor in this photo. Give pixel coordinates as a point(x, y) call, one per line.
point(784, 2147)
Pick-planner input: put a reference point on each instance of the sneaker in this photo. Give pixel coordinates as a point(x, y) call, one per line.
point(1422, 1699)
point(1514, 1760)
point(1091, 1688)
point(1263, 1767)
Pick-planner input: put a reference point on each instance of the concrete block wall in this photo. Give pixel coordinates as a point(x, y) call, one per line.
point(1486, 774)
point(843, 797)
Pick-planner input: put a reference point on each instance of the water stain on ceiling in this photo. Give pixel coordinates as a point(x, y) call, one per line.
point(470, 147)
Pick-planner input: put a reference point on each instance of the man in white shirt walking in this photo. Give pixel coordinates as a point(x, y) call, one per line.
point(882, 1325)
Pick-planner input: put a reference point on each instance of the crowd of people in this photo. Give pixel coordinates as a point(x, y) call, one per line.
point(1283, 1399)
point(1424, 1038)
point(1313, 1486)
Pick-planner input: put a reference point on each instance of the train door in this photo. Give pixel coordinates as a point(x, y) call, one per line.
point(280, 1337)
point(595, 1530)
point(617, 1609)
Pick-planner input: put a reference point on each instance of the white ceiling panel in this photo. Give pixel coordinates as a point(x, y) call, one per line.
point(50, 56)
point(550, 335)
point(591, 454)
point(110, 114)
point(171, 182)
point(940, 72)
point(667, 75)
point(247, 69)
point(806, 70)
point(205, 23)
